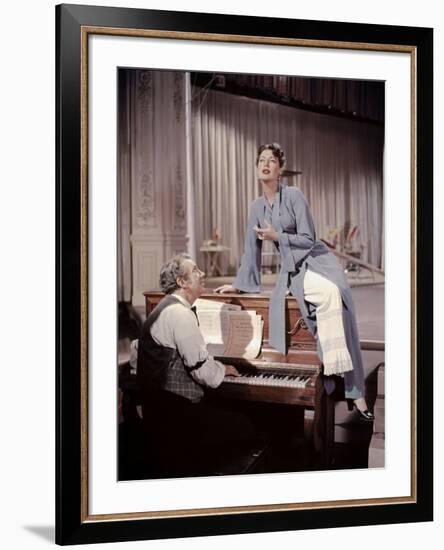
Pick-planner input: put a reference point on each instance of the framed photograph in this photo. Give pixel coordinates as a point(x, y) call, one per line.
point(163, 121)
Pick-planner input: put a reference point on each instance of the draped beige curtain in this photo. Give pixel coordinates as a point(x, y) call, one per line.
point(341, 161)
point(124, 274)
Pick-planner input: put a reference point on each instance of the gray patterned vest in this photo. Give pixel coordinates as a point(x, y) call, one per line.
point(160, 367)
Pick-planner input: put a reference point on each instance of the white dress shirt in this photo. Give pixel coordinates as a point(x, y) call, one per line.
point(177, 328)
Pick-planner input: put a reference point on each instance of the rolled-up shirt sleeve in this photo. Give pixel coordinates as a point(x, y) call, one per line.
point(177, 328)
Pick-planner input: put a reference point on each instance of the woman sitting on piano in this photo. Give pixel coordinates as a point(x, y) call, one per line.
point(309, 271)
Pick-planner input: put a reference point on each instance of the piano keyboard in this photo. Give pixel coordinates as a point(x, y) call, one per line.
point(270, 379)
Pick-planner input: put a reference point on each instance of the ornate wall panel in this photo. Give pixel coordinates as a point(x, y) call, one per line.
point(156, 181)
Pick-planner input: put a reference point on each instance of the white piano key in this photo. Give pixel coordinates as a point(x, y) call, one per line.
point(278, 380)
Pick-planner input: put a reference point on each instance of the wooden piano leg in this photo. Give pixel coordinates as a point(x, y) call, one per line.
point(324, 425)
point(329, 429)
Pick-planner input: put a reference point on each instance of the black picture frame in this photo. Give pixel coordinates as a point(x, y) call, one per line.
point(73, 524)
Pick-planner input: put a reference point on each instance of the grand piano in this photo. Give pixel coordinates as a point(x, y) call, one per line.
point(293, 380)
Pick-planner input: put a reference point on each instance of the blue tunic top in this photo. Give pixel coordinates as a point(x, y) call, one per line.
point(299, 250)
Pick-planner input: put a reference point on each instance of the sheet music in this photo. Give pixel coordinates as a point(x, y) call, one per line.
point(230, 332)
point(214, 325)
point(245, 335)
point(204, 304)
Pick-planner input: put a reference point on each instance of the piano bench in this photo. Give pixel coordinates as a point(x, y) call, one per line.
point(243, 459)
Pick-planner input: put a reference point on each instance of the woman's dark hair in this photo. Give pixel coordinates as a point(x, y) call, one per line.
point(277, 151)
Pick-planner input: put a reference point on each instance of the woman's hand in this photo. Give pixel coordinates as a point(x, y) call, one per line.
point(225, 288)
point(267, 234)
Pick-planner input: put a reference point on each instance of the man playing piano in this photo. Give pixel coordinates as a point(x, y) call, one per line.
point(173, 370)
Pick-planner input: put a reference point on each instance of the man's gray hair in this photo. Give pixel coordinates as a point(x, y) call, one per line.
point(171, 271)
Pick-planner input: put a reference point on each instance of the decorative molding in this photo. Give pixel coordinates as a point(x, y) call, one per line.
point(148, 238)
point(146, 207)
point(146, 212)
point(145, 91)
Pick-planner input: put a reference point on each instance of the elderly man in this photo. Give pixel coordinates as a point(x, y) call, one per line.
point(173, 369)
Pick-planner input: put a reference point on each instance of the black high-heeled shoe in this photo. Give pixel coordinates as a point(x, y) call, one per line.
point(366, 416)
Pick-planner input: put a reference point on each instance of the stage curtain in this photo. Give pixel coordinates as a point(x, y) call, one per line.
point(124, 275)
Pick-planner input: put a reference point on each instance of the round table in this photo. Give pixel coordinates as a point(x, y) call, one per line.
point(211, 254)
